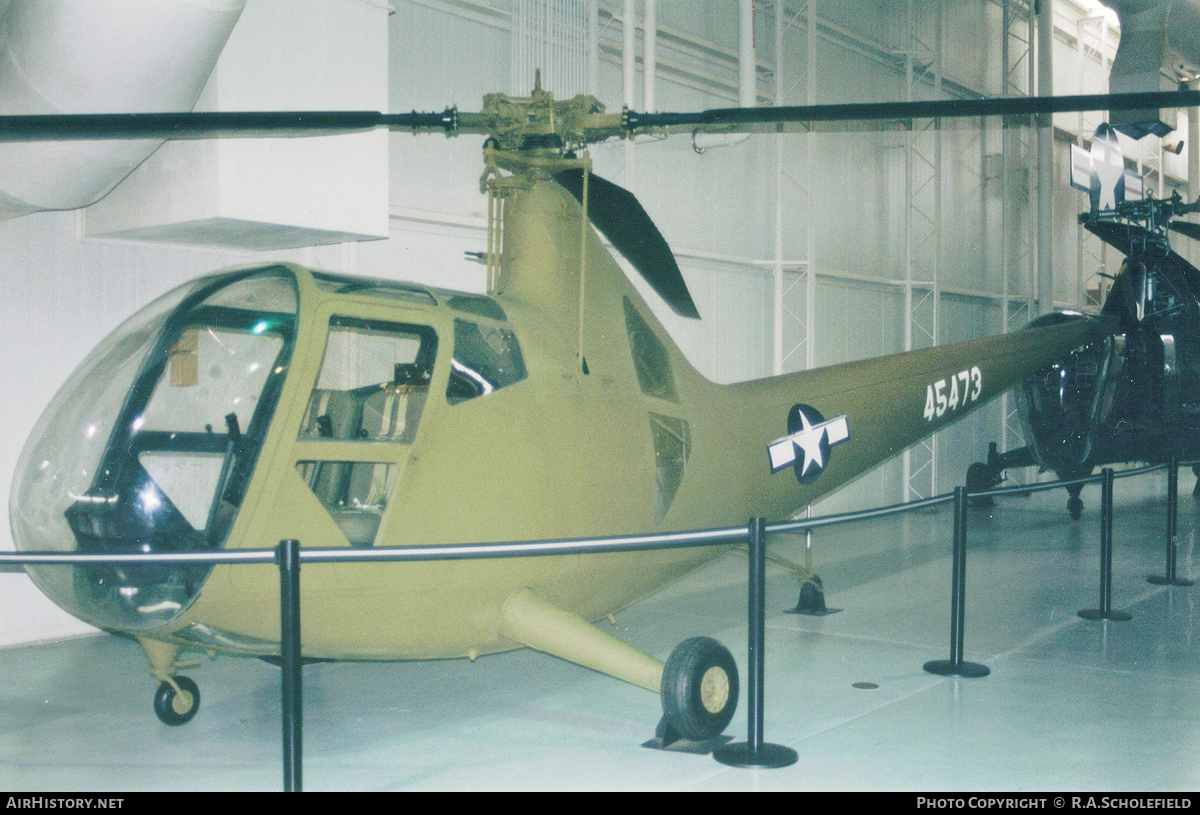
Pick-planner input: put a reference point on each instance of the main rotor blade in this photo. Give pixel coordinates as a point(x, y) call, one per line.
point(74, 126)
point(1187, 228)
point(735, 118)
point(57, 127)
point(1125, 238)
point(1130, 240)
point(615, 211)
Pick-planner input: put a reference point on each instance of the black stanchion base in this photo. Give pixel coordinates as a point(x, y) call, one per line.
point(1101, 614)
point(1169, 581)
point(968, 670)
point(768, 757)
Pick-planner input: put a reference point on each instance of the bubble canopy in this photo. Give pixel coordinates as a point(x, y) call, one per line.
point(151, 443)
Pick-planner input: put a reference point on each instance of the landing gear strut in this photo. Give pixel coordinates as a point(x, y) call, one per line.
point(1074, 502)
point(698, 684)
point(178, 697)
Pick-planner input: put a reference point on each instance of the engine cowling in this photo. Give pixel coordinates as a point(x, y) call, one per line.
point(1063, 405)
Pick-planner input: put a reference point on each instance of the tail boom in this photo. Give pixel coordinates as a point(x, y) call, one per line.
point(847, 419)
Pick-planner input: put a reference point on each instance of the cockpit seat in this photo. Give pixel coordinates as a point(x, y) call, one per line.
point(393, 412)
point(332, 415)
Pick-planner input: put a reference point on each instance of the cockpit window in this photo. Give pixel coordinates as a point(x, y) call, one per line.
point(263, 294)
point(152, 444)
point(486, 358)
point(386, 289)
point(212, 371)
point(650, 359)
point(672, 447)
point(373, 382)
point(477, 305)
point(354, 493)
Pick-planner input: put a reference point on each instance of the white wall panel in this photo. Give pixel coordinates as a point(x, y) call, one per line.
point(438, 60)
point(971, 209)
point(974, 22)
point(857, 321)
point(967, 318)
point(718, 202)
point(857, 203)
point(876, 21)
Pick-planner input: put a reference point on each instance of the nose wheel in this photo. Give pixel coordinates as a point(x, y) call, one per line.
point(176, 700)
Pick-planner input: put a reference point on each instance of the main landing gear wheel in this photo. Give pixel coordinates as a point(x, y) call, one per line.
point(699, 689)
point(980, 478)
point(177, 707)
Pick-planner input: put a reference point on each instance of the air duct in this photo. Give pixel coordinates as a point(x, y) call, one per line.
point(1160, 47)
point(98, 56)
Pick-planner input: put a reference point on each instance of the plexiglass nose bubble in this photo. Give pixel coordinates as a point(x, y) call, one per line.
point(150, 444)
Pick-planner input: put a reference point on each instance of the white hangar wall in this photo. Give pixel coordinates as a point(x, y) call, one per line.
point(883, 239)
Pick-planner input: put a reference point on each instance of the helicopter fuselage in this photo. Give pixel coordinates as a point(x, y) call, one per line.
point(1134, 395)
point(393, 415)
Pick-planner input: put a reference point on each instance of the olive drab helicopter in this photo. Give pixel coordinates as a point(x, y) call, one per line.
point(278, 402)
point(1132, 396)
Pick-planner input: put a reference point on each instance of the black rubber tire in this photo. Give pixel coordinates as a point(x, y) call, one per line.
point(690, 708)
point(164, 701)
point(1075, 507)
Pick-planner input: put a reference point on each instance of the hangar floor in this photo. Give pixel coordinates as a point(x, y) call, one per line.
point(1070, 704)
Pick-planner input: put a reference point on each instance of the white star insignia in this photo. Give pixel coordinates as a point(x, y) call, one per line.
point(808, 438)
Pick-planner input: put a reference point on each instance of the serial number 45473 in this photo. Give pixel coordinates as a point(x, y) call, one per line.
point(953, 393)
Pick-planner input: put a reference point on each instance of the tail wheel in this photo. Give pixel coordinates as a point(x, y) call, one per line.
point(699, 689)
point(176, 707)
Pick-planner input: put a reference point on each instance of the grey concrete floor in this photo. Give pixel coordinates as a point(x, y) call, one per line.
point(1070, 704)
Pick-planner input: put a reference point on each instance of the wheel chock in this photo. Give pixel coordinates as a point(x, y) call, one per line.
point(665, 738)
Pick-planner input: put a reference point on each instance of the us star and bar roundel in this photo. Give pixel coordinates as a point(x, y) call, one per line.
point(808, 433)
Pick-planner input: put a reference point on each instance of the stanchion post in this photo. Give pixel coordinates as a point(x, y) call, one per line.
point(955, 666)
point(756, 634)
point(287, 555)
point(1105, 611)
point(754, 752)
point(1171, 579)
